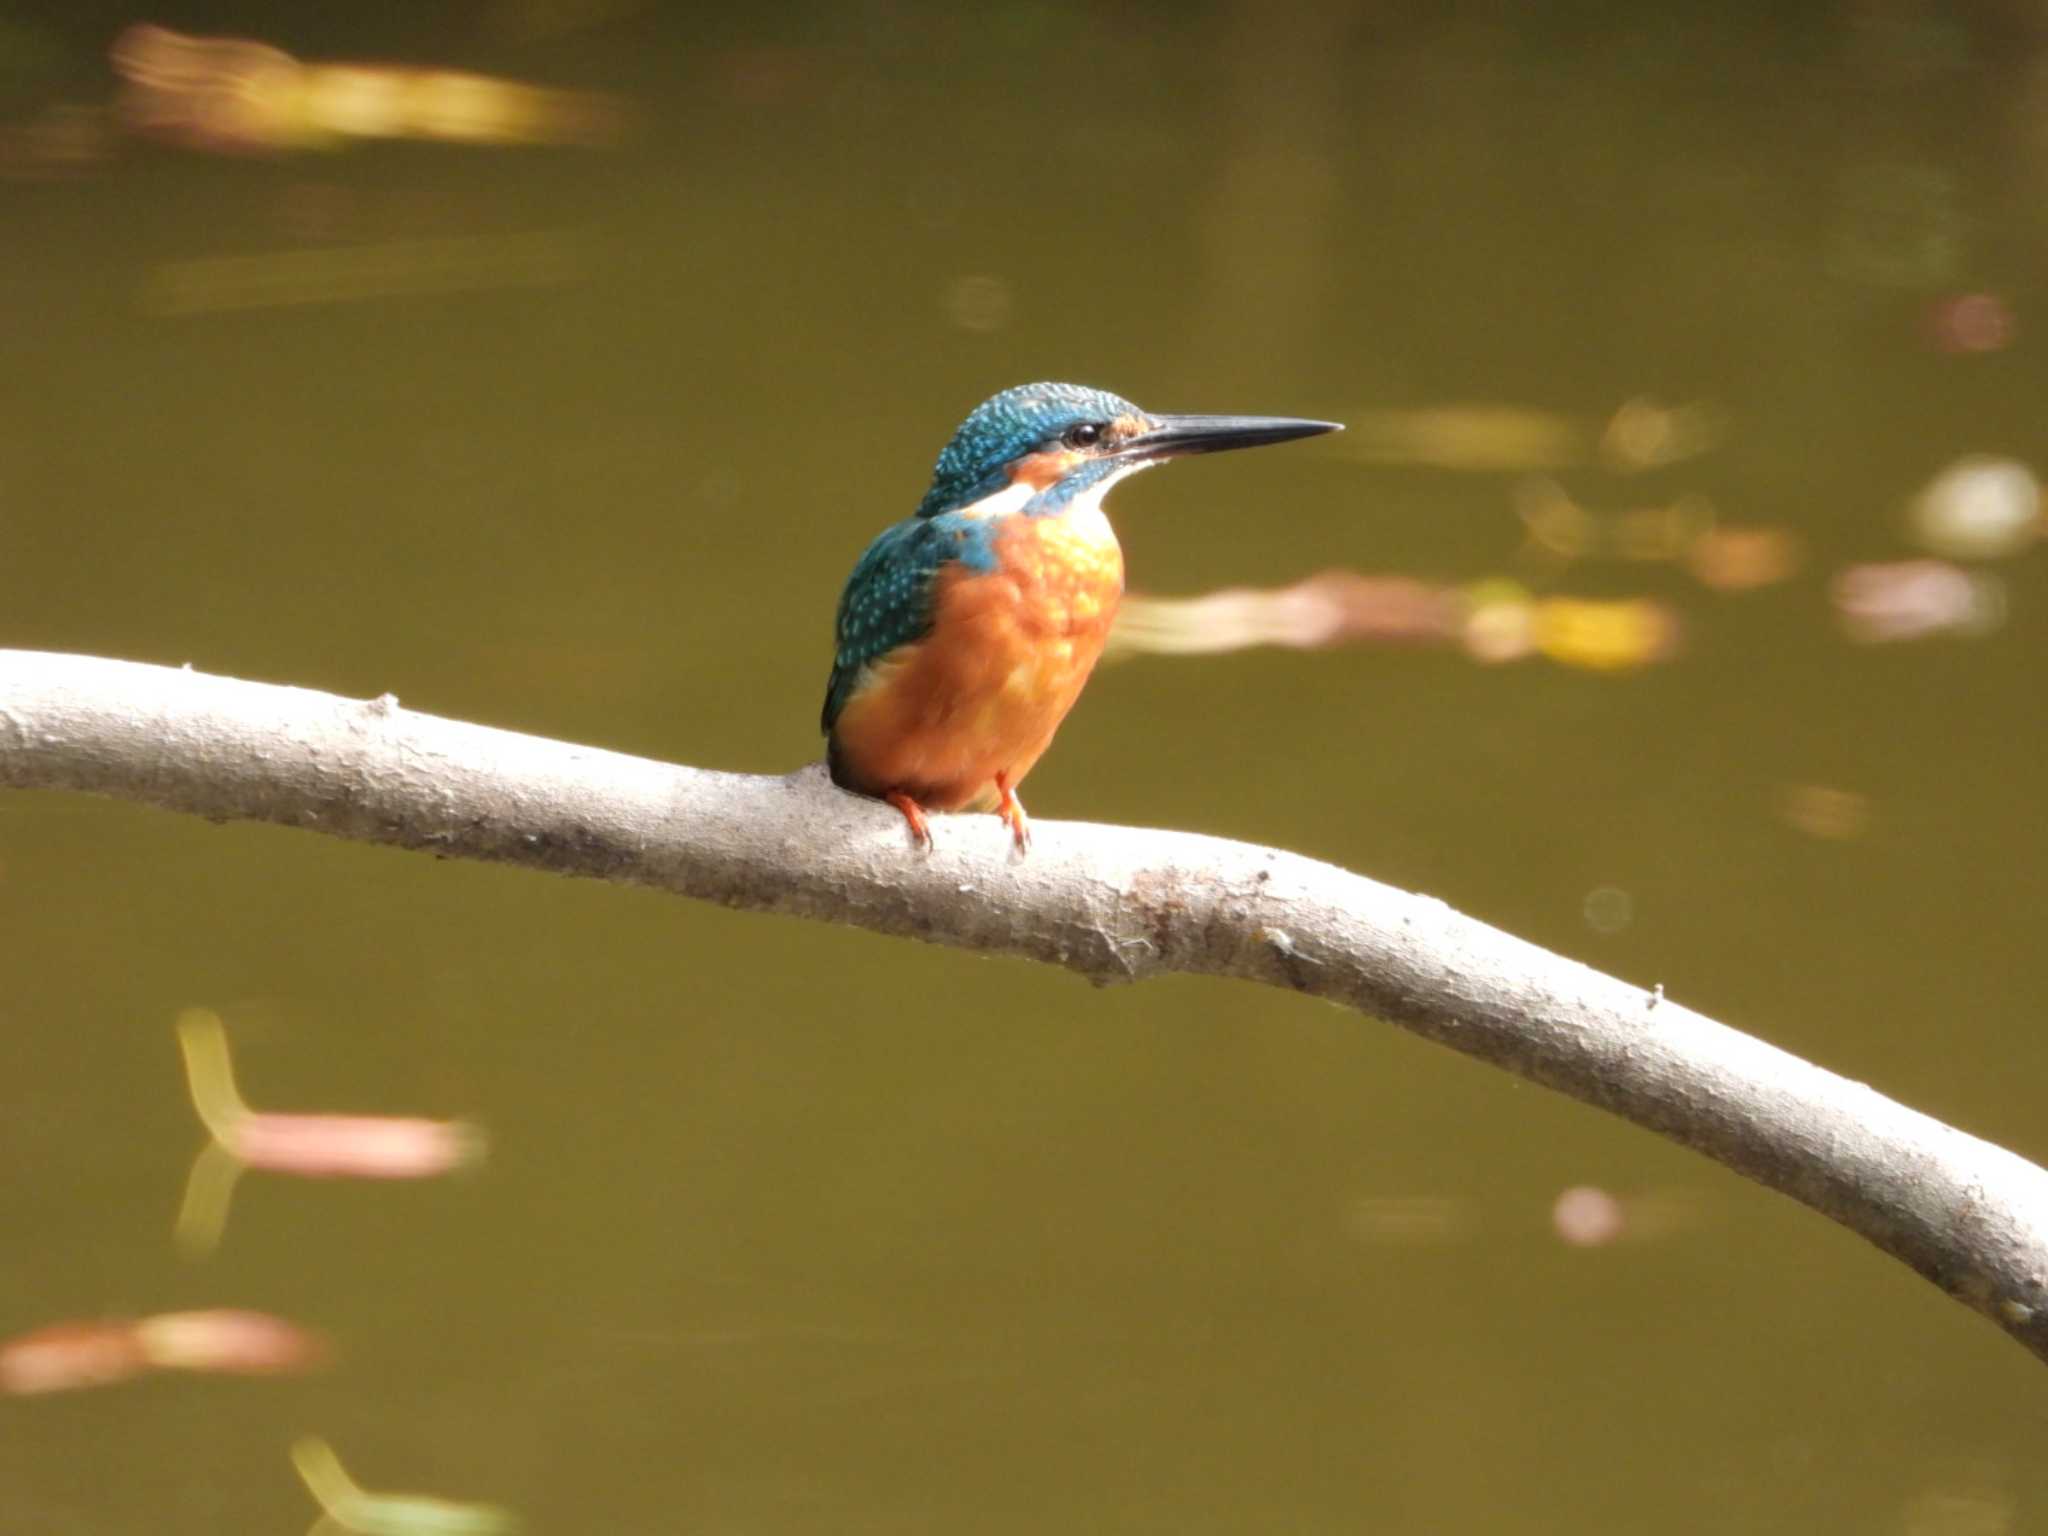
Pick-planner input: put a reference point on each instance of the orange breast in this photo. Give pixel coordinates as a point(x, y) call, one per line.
point(1009, 653)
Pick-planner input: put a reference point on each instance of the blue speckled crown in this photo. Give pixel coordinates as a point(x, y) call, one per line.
point(1005, 427)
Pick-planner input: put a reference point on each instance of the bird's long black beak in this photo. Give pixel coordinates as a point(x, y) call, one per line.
point(1172, 436)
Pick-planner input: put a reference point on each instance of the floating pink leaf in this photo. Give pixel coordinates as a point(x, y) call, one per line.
point(224, 1341)
point(1740, 559)
point(65, 1356)
point(1328, 608)
point(1963, 323)
point(354, 1146)
point(1910, 599)
point(309, 1146)
point(1585, 1217)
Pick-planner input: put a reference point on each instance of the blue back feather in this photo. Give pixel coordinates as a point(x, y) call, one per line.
point(889, 597)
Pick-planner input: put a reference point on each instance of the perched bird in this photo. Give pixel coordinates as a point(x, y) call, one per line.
point(967, 630)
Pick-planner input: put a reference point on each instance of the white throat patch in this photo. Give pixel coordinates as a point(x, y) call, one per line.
point(1085, 512)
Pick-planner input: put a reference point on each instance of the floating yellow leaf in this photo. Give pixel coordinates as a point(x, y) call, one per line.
point(237, 95)
point(1604, 636)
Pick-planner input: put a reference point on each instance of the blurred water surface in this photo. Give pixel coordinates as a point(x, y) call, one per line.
point(788, 1229)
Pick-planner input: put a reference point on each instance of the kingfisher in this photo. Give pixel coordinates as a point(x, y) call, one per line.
point(967, 631)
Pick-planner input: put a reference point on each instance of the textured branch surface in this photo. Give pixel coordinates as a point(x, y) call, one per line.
point(1112, 903)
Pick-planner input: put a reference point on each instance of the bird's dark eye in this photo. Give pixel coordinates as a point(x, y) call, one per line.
point(1082, 434)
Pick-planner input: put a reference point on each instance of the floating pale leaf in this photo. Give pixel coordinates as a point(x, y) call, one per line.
point(1820, 811)
point(349, 1507)
point(228, 1341)
point(1560, 525)
point(1499, 621)
point(1979, 508)
point(1644, 434)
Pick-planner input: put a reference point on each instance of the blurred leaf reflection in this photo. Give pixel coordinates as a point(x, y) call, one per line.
point(347, 1506)
point(237, 95)
point(308, 1146)
point(1493, 621)
point(1689, 356)
point(223, 1341)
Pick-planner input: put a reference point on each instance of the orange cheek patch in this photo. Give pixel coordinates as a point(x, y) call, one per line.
point(1039, 470)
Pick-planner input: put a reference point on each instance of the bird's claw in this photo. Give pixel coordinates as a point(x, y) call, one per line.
point(1011, 809)
point(920, 824)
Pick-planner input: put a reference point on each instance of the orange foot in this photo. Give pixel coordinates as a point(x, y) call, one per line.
point(1011, 809)
point(920, 824)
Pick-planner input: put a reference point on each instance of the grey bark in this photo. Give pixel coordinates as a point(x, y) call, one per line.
point(1114, 904)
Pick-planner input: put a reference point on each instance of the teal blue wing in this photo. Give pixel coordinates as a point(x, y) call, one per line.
point(887, 601)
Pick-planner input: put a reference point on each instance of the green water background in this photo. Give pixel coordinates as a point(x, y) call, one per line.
point(791, 1229)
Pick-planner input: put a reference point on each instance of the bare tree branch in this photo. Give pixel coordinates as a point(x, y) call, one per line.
point(1112, 903)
